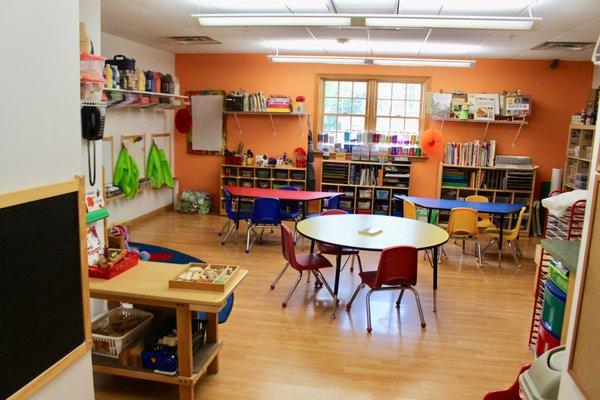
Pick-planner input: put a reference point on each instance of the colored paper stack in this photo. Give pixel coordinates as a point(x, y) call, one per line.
point(279, 103)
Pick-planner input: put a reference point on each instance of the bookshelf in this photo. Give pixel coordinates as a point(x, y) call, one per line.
point(367, 187)
point(498, 184)
point(579, 156)
point(259, 177)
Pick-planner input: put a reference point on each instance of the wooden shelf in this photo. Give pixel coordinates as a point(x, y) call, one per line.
point(280, 167)
point(579, 158)
point(533, 167)
point(172, 96)
point(496, 121)
point(387, 164)
point(297, 114)
point(583, 127)
point(580, 137)
point(487, 190)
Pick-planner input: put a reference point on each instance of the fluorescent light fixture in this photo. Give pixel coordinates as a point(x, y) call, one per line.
point(369, 20)
point(318, 59)
point(403, 62)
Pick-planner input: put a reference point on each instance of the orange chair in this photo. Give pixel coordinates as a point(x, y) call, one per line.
point(309, 262)
point(397, 270)
point(463, 226)
point(330, 249)
point(485, 220)
point(409, 210)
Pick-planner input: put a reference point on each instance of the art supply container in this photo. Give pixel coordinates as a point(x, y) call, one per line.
point(553, 311)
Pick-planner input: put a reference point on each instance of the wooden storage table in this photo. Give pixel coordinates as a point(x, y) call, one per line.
point(148, 284)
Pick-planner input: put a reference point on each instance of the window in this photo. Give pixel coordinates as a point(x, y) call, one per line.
point(351, 106)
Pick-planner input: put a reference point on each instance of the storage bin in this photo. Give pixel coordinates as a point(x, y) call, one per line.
point(546, 340)
point(91, 89)
point(363, 205)
point(263, 173)
point(91, 65)
point(553, 311)
point(382, 194)
point(280, 174)
point(365, 193)
point(558, 276)
point(111, 346)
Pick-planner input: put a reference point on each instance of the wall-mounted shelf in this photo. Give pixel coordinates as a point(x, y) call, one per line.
point(173, 96)
point(519, 123)
point(174, 101)
point(270, 115)
point(100, 104)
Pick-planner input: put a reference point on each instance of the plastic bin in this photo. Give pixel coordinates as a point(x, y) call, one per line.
point(111, 346)
point(91, 65)
point(546, 340)
point(557, 276)
point(553, 311)
point(91, 89)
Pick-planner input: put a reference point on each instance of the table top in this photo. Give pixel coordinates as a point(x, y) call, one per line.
point(565, 251)
point(444, 204)
point(342, 230)
point(300, 195)
point(150, 281)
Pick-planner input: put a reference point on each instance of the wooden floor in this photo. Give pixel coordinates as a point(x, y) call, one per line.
point(474, 343)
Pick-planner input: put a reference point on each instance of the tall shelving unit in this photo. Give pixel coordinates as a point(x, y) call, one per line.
point(368, 192)
point(498, 184)
point(259, 177)
point(579, 156)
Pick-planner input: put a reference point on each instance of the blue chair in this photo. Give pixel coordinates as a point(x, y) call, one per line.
point(265, 214)
point(232, 216)
point(333, 203)
point(290, 209)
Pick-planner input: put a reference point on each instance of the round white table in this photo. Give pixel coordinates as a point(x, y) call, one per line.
point(343, 231)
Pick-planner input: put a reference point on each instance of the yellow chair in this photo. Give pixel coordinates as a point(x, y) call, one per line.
point(510, 235)
point(463, 226)
point(485, 220)
point(409, 210)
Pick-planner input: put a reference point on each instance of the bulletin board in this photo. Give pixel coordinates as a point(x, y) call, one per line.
point(223, 138)
point(108, 159)
point(585, 348)
point(136, 145)
point(163, 141)
point(44, 292)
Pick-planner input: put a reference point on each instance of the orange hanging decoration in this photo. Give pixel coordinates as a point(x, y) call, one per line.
point(432, 142)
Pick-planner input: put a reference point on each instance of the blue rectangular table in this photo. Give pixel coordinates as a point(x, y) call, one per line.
point(500, 209)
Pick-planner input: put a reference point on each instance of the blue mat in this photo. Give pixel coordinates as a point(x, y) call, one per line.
point(181, 258)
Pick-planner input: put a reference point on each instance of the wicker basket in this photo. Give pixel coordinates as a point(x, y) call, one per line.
point(111, 346)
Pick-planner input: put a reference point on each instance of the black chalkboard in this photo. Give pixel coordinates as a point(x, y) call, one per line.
point(41, 312)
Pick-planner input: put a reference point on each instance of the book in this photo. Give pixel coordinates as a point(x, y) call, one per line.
point(370, 231)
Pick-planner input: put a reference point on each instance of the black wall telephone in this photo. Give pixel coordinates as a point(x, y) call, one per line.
point(92, 129)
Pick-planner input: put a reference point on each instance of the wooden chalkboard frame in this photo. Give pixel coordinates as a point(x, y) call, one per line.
point(578, 378)
point(24, 196)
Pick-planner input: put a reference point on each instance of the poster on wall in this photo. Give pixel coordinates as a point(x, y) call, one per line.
point(483, 106)
point(440, 105)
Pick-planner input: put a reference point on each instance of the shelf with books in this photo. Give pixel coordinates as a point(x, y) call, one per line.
point(579, 154)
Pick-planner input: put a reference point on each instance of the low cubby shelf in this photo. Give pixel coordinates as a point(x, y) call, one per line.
point(498, 184)
point(367, 187)
point(259, 177)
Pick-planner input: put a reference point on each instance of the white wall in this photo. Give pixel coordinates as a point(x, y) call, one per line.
point(39, 121)
point(139, 122)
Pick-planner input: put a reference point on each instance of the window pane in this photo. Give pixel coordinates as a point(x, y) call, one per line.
point(383, 107)
point(345, 89)
point(412, 108)
point(343, 124)
point(345, 106)
point(331, 88)
point(414, 91)
point(398, 107)
point(382, 125)
point(397, 125)
point(412, 125)
point(399, 91)
point(384, 90)
point(329, 123)
point(360, 90)
point(330, 105)
point(359, 106)
point(358, 124)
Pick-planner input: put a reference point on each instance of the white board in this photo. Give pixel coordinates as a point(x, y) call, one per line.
point(207, 123)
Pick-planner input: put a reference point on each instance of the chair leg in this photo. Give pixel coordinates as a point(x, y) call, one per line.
point(359, 262)
point(478, 249)
point(418, 300)
point(225, 226)
point(352, 263)
point(322, 278)
point(399, 298)
point(231, 228)
point(368, 301)
point(514, 253)
point(279, 275)
point(287, 298)
point(426, 254)
point(488, 245)
point(250, 232)
point(358, 288)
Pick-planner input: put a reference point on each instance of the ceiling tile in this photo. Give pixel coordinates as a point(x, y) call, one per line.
point(365, 7)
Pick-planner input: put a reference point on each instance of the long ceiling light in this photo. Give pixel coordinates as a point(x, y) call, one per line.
point(401, 62)
point(370, 20)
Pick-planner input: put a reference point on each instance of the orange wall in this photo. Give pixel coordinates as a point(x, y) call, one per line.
point(557, 93)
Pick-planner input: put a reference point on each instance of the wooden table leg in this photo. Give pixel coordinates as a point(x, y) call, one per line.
point(184, 350)
point(212, 336)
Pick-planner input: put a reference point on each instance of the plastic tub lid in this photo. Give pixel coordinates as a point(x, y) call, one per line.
point(556, 291)
point(549, 330)
point(89, 56)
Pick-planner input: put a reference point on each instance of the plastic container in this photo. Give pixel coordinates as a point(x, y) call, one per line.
point(91, 89)
point(91, 65)
point(553, 311)
point(130, 260)
point(557, 276)
point(111, 346)
point(542, 379)
point(546, 340)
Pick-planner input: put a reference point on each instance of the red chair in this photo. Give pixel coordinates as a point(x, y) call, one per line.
point(300, 262)
point(330, 249)
point(511, 392)
point(397, 270)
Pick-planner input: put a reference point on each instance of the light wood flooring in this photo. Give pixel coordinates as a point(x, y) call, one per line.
point(474, 343)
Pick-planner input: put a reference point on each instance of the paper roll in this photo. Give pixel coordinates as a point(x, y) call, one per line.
point(556, 181)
